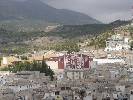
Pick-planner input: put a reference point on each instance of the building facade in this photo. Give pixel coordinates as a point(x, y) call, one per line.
point(75, 66)
point(116, 43)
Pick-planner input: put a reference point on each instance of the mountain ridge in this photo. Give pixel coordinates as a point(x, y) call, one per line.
point(36, 10)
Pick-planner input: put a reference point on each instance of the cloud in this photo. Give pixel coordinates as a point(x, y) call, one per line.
point(103, 10)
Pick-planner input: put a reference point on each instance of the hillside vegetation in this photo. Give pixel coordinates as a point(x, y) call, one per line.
point(71, 31)
point(100, 40)
point(15, 40)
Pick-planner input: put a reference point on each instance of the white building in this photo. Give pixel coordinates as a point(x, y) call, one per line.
point(109, 61)
point(116, 43)
point(5, 62)
point(74, 75)
point(114, 74)
point(53, 65)
point(120, 88)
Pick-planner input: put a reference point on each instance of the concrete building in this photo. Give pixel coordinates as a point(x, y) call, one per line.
point(117, 42)
point(109, 61)
point(75, 65)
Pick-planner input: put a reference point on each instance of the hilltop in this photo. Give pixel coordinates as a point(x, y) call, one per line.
point(38, 10)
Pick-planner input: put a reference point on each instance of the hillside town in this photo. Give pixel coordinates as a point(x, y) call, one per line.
point(66, 49)
point(103, 74)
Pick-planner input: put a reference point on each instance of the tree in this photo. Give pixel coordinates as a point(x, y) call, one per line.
point(46, 69)
point(131, 45)
point(34, 66)
point(44, 66)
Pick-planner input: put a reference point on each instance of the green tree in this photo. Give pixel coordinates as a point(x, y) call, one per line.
point(34, 66)
point(27, 66)
point(131, 45)
point(44, 67)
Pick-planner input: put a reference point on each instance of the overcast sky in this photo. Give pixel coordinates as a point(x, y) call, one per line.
point(103, 10)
